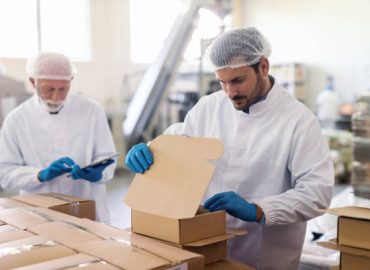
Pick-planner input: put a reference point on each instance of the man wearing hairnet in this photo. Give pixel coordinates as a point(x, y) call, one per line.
point(275, 171)
point(47, 139)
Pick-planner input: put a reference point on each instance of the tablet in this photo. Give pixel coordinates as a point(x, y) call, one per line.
point(98, 162)
point(101, 161)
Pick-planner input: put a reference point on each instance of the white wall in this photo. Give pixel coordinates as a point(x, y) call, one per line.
point(100, 79)
point(330, 36)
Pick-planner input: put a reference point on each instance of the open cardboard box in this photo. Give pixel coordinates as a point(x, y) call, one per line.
point(78, 207)
point(29, 251)
point(124, 249)
point(353, 226)
point(165, 199)
point(73, 262)
point(351, 258)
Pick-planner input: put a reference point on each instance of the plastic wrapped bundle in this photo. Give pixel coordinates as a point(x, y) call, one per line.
point(361, 147)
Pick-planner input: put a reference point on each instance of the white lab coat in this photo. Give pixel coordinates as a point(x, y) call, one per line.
point(31, 139)
point(327, 108)
point(276, 157)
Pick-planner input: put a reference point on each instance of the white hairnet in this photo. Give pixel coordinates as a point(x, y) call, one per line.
point(50, 66)
point(238, 48)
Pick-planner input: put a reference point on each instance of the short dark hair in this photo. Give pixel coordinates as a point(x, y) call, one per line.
point(256, 66)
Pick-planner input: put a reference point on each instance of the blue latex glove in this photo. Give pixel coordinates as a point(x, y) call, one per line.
point(139, 158)
point(233, 204)
point(57, 168)
point(91, 174)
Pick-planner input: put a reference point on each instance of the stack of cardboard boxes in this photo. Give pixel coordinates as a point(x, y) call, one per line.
point(165, 199)
point(353, 237)
point(40, 238)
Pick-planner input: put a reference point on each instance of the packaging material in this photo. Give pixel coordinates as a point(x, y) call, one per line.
point(73, 262)
point(118, 247)
point(351, 258)
point(78, 207)
point(353, 226)
point(25, 217)
point(10, 203)
point(164, 200)
point(10, 233)
point(29, 251)
point(229, 265)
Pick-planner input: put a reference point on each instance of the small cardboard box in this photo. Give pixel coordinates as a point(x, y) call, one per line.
point(78, 207)
point(353, 226)
point(351, 258)
point(29, 251)
point(10, 233)
point(73, 262)
point(164, 200)
point(229, 265)
point(122, 249)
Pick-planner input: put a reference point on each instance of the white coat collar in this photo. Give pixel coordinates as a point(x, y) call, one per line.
point(259, 108)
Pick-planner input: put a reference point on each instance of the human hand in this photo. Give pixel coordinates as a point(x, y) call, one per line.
point(91, 174)
point(233, 204)
point(57, 168)
point(139, 158)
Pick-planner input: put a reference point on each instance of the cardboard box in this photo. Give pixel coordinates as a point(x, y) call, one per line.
point(10, 233)
point(229, 265)
point(73, 262)
point(351, 258)
point(78, 207)
point(25, 217)
point(10, 203)
point(122, 249)
point(353, 226)
point(181, 230)
point(164, 200)
point(29, 251)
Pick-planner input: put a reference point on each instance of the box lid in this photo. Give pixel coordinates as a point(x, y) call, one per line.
point(349, 211)
point(176, 182)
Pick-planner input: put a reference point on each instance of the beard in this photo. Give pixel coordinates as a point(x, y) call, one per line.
point(51, 106)
point(242, 103)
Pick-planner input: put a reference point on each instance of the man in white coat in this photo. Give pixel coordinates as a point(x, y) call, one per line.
point(276, 169)
point(46, 140)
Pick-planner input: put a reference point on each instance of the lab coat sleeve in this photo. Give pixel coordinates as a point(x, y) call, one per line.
point(14, 174)
point(104, 145)
point(312, 178)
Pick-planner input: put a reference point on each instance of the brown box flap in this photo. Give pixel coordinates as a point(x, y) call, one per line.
point(345, 249)
point(176, 182)
point(349, 211)
point(208, 241)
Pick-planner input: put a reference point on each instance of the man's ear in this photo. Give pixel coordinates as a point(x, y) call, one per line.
point(264, 67)
point(32, 81)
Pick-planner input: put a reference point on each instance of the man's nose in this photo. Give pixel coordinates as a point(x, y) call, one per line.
point(231, 90)
point(57, 96)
